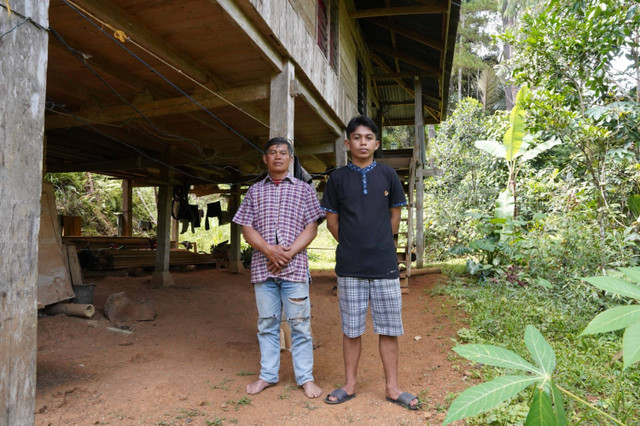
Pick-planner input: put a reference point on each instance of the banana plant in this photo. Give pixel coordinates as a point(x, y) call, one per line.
point(516, 145)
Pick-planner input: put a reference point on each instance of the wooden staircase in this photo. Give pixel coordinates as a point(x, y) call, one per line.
point(406, 252)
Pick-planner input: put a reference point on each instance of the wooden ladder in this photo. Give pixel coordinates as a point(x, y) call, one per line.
point(406, 253)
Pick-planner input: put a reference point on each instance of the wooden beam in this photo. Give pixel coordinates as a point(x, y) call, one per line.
point(266, 49)
point(162, 107)
point(418, 152)
point(235, 257)
point(323, 148)
point(127, 207)
point(405, 32)
point(405, 58)
point(299, 89)
point(434, 7)
point(161, 276)
point(396, 75)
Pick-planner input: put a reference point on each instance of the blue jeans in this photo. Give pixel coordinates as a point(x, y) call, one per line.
point(271, 296)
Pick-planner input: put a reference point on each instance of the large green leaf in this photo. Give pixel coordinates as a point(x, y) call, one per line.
point(615, 285)
point(536, 150)
point(558, 405)
point(498, 357)
point(513, 137)
point(614, 319)
point(492, 147)
point(634, 204)
point(541, 351)
point(486, 396)
point(505, 205)
point(631, 345)
point(541, 410)
point(632, 273)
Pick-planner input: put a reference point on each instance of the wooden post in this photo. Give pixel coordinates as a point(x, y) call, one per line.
point(418, 149)
point(127, 197)
point(175, 232)
point(23, 68)
point(235, 258)
point(341, 151)
point(378, 121)
point(161, 276)
point(281, 105)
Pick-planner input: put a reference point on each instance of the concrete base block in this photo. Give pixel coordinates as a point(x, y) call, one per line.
point(162, 279)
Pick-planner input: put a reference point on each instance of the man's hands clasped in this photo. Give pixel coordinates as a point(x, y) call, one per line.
point(279, 257)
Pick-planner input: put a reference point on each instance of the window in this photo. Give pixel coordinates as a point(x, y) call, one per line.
point(328, 31)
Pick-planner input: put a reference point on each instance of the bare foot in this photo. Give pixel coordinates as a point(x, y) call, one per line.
point(311, 390)
point(258, 386)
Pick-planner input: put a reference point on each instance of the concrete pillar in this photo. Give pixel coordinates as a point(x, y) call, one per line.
point(418, 151)
point(161, 276)
point(23, 71)
point(281, 105)
point(127, 200)
point(235, 258)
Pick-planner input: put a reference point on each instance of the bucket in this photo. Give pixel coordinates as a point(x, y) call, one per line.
point(84, 294)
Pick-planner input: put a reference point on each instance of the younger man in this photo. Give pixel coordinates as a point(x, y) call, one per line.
point(363, 201)
point(279, 217)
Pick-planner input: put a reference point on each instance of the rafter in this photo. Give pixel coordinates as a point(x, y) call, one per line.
point(405, 32)
point(161, 107)
point(382, 64)
point(434, 7)
point(404, 58)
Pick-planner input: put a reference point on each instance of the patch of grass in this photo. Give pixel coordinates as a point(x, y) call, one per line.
point(309, 406)
point(244, 401)
point(188, 413)
point(217, 421)
point(245, 373)
point(452, 267)
point(224, 384)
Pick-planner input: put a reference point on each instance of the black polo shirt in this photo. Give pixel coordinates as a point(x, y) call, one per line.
point(362, 199)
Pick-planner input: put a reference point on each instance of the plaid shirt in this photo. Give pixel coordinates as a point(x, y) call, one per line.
point(279, 213)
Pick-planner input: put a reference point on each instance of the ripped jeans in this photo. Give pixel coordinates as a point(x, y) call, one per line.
point(271, 296)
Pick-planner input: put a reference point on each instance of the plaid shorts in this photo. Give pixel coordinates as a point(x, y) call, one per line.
point(386, 305)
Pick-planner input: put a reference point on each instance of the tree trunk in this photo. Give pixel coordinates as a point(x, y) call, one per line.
point(459, 84)
point(510, 91)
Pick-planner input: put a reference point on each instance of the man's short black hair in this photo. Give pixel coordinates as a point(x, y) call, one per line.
point(362, 120)
point(278, 140)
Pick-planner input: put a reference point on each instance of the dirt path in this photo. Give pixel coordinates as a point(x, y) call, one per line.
point(191, 365)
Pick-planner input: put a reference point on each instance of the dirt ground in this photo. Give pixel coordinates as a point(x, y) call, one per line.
point(192, 363)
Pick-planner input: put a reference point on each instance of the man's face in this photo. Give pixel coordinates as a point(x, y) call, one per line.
point(362, 143)
point(277, 159)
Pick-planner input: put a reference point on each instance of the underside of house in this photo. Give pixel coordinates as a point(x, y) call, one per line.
point(163, 93)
